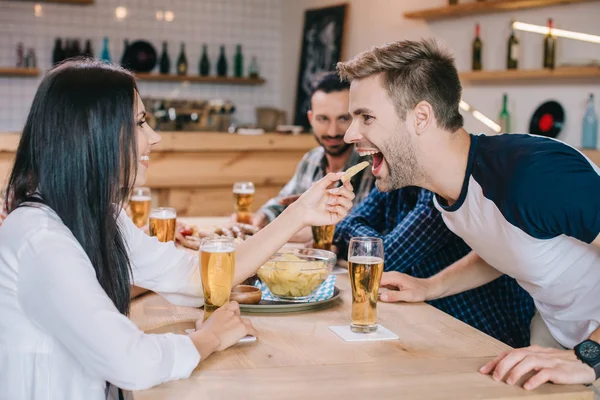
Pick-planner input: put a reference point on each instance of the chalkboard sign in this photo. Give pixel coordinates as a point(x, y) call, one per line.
point(321, 50)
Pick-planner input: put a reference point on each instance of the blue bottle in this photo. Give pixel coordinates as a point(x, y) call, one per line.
point(105, 53)
point(589, 131)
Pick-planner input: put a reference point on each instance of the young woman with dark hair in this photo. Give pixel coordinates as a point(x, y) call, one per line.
point(68, 253)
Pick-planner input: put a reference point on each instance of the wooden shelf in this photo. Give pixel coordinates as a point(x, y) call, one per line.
point(19, 72)
point(566, 74)
point(73, 2)
point(484, 7)
point(201, 79)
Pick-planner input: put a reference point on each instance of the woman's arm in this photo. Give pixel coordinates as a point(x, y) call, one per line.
point(317, 206)
point(59, 292)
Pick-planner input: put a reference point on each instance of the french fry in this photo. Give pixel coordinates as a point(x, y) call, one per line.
point(350, 172)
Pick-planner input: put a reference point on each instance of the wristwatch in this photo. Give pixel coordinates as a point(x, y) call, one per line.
point(588, 352)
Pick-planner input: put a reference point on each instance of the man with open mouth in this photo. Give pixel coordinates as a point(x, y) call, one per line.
point(528, 206)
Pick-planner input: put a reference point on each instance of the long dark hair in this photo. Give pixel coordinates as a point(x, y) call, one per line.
point(76, 156)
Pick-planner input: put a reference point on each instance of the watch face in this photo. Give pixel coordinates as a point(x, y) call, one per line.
point(589, 350)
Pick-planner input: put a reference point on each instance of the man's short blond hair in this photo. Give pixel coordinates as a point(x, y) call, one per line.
point(413, 71)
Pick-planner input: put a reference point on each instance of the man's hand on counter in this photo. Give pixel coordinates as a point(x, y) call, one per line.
point(259, 219)
point(549, 365)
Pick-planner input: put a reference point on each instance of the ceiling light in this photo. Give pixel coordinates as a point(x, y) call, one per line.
point(584, 37)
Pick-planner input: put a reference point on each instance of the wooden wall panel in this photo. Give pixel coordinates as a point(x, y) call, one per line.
point(6, 163)
point(180, 169)
point(211, 201)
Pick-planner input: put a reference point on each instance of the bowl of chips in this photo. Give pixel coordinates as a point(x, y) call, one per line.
point(297, 274)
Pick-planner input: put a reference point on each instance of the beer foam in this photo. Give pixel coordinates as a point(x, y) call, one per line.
point(243, 191)
point(140, 198)
point(163, 214)
point(218, 248)
point(365, 260)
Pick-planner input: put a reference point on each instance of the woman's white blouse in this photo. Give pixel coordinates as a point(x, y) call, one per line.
point(61, 336)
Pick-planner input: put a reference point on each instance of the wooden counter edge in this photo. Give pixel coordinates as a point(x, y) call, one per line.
point(208, 142)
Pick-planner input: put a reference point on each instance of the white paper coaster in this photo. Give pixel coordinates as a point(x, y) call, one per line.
point(245, 339)
point(381, 333)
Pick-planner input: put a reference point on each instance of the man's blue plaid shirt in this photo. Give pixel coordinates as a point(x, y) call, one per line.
point(417, 242)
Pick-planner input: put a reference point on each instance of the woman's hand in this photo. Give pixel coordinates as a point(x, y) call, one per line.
point(322, 204)
point(223, 329)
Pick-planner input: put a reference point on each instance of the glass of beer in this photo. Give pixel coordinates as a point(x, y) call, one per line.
point(365, 266)
point(243, 194)
point(323, 236)
point(217, 267)
point(139, 204)
point(162, 223)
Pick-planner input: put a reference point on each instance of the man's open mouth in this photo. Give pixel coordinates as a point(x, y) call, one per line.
point(375, 154)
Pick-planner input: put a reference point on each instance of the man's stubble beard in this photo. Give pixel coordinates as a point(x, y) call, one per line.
point(334, 153)
point(403, 166)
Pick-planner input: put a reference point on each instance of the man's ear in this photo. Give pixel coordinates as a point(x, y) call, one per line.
point(423, 113)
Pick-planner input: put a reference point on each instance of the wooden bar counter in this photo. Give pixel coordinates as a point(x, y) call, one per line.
point(195, 171)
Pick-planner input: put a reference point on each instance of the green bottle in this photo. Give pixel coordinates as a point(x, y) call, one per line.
point(504, 116)
point(182, 63)
point(204, 62)
point(238, 62)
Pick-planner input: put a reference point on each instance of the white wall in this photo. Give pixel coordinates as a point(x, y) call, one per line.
point(374, 22)
point(255, 24)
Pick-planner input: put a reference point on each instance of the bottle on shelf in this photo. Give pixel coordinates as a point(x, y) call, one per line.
point(88, 52)
point(477, 50)
point(20, 56)
point(549, 47)
point(76, 49)
point(30, 59)
point(105, 52)
point(238, 62)
point(589, 131)
point(222, 63)
point(68, 49)
point(253, 71)
point(182, 63)
point(504, 117)
point(58, 53)
point(165, 62)
point(204, 62)
point(123, 58)
point(512, 60)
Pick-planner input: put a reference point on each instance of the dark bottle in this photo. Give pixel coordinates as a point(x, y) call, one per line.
point(182, 63)
point(76, 48)
point(549, 47)
point(222, 63)
point(68, 49)
point(477, 48)
point(88, 52)
point(30, 59)
point(20, 56)
point(165, 62)
point(204, 62)
point(238, 62)
point(124, 60)
point(58, 54)
point(512, 59)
